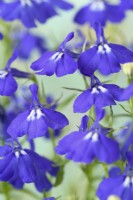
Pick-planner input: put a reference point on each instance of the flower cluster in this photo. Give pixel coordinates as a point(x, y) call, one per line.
point(28, 113)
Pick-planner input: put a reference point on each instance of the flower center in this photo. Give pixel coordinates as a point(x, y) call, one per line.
point(18, 152)
point(128, 181)
point(98, 89)
point(97, 5)
point(35, 114)
point(92, 135)
point(26, 2)
point(56, 56)
point(104, 48)
point(3, 74)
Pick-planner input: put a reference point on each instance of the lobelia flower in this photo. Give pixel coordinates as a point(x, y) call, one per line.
point(61, 62)
point(120, 184)
point(99, 95)
point(19, 166)
point(103, 56)
point(16, 105)
point(29, 11)
point(125, 139)
point(22, 38)
point(36, 120)
point(61, 4)
point(86, 144)
point(8, 84)
point(99, 11)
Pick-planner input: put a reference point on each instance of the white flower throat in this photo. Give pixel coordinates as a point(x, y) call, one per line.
point(104, 48)
point(97, 5)
point(29, 2)
point(26, 2)
point(3, 74)
point(92, 135)
point(128, 181)
point(35, 114)
point(99, 89)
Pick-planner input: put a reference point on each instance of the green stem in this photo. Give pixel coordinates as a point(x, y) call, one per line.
point(6, 190)
point(111, 117)
point(85, 81)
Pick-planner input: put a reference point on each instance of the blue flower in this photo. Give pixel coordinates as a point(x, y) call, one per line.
point(99, 95)
point(103, 56)
point(8, 84)
point(60, 62)
point(9, 112)
point(29, 11)
point(36, 120)
point(125, 139)
point(99, 11)
point(86, 144)
point(119, 184)
point(22, 38)
point(19, 166)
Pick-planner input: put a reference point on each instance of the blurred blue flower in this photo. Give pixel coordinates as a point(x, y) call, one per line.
point(99, 11)
point(60, 62)
point(8, 84)
point(30, 11)
point(125, 139)
point(26, 42)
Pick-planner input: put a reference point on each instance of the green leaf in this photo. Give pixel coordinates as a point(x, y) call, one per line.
point(124, 109)
point(75, 89)
point(66, 101)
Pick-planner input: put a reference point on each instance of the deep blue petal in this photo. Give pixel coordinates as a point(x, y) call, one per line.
point(7, 167)
point(66, 65)
point(88, 61)
point(45, 65)
point(106, 149)
point(55, 120)
point(19, 126)
point(123, 54)
point(8, 85)
point(84, 123)
point(115, 90)
point(37, 128)
point(107, 186)
point(83, 102)
point(27, 170)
